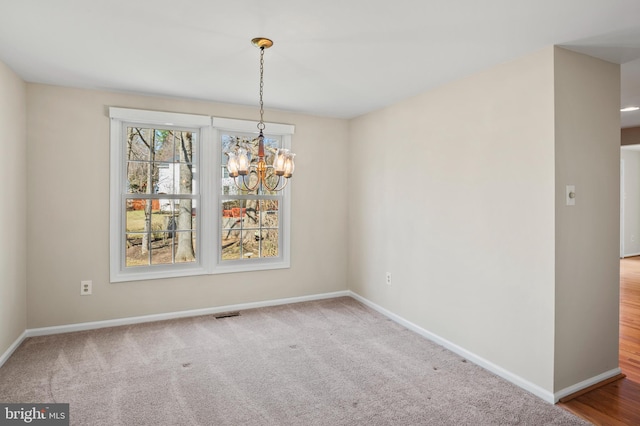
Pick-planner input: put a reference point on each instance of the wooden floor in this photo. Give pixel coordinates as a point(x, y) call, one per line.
point(618, 403)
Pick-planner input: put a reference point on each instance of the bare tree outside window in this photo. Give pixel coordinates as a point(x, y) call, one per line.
point(160, 223)
point(185, 252)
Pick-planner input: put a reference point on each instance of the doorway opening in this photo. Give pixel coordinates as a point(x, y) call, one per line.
point(629, 350)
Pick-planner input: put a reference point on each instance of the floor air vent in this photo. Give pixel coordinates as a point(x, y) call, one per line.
point(227, 315)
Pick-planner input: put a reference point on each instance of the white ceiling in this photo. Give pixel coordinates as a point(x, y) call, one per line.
point(338, 58)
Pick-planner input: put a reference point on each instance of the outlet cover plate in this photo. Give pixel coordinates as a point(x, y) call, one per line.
point(86, 288)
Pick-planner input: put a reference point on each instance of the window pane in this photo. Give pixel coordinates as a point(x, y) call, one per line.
point(185, 213)
point(239, 221)
point(173, 247)
point(230, 244)
point(227, 183)
point(230, 143)
point(250, 215)
point(133, 250)
point(137, 144)
point(152, 238)
point(143, 220)
point(230, 210)
point(165, 146)
point(186, 147)
point(165, 180)
point(250, 244)
point(184, 179)
point(185, 243)
point(137, 177)
point(160, 161)
point(178, 241)
point(231, 224)
point(143, 215)
point(270, 243)
point(173, 178)
point(269, 213)
point(161, 248)
point(249, 229)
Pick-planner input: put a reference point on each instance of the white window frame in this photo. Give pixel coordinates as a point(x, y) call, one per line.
point(208, 228)
point(120, 119)
point(283, 260)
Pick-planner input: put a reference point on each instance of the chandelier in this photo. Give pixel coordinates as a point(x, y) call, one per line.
point(260, 176)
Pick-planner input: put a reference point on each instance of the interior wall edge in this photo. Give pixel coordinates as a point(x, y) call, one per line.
point(11, 349)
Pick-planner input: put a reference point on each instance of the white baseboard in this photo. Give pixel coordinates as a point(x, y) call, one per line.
point(487, 365)
point(515, 379)
point(629, 255)
point(586, 383)
point(5, 356)
point(44, 331)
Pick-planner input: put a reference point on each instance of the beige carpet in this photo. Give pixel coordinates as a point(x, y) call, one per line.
point(331, 362)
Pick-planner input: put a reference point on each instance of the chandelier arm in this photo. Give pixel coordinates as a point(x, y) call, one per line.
point(276, 187)
point(235, 181)
point(266, 185)
point(244, 182)
point(254, 187)
point(286, 181)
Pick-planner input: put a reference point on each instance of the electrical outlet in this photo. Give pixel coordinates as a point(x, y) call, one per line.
point(86, 288)
point(388, 278)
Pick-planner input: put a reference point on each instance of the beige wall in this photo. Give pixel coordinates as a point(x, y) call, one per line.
point(630, 136)
point(68, 236)
point(587, 102)
point(453, 193)
point(13, 189)
point(459, 193)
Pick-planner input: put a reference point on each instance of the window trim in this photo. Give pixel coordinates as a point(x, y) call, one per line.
point(208, 259)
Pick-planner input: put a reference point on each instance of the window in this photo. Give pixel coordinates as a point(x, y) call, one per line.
point(174, 210)
point(253, 229)
point(156, 228)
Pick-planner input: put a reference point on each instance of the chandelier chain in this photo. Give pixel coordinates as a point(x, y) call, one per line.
point(249, 174)
point(261, 123)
